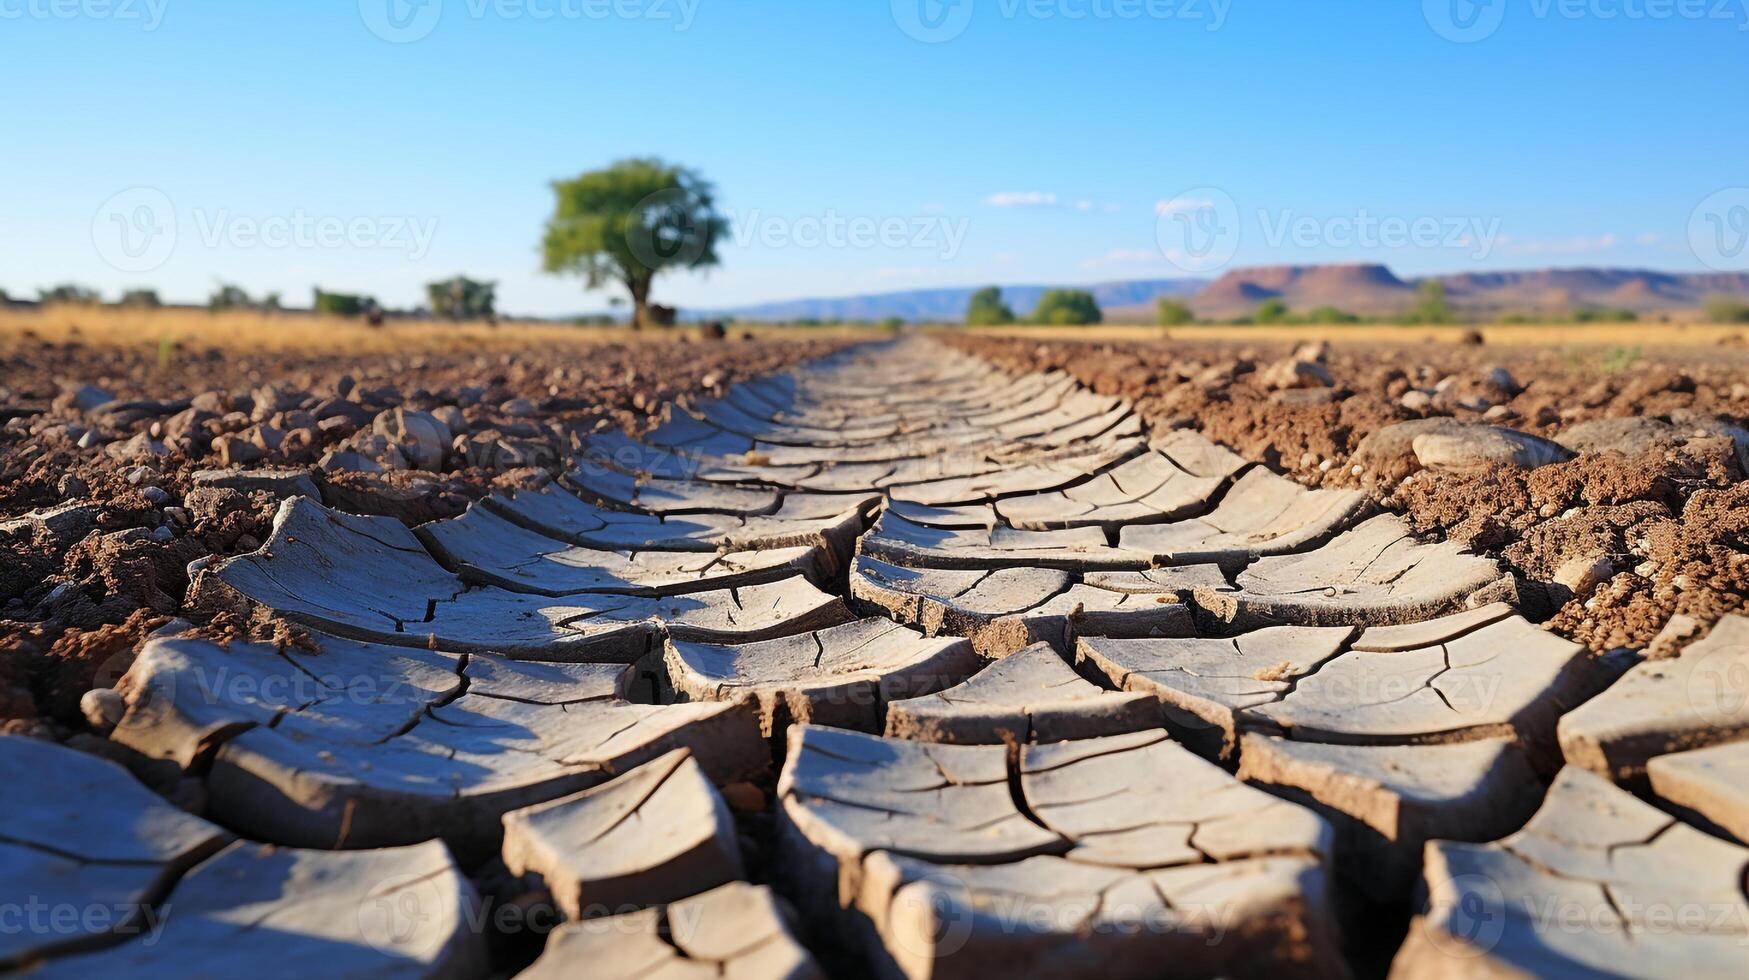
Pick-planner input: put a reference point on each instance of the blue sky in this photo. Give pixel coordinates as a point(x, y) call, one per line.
point(289, 144)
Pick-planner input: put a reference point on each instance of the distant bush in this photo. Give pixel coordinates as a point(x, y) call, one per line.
point(1432, 306)
point(1067, 307)
point(1727, 309)
point(1272, 311)
point(1330, 314)
point(462, 298)
point(986, 309)
point(340, 304)
point(1605, 316)
point(1173, 312)
point(140, 299)
point(70, 293)
point(893, 323)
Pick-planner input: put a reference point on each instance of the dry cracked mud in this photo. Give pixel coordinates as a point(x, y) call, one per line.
point(889, 662)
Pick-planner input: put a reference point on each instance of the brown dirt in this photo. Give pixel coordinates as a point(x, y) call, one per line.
point(77, 595)
point(1670, 522)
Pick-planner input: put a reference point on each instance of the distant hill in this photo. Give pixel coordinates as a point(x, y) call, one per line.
point(945, 305)
point(1369, 290)
point(1373, 290)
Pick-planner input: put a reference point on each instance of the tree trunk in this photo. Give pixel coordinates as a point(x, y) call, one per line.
point(640, 290)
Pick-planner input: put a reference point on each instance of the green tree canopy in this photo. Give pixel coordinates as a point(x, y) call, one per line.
point(1431, 306)
point(1727, 309)
point(340, 304)
point(70, 293)
point(628, 223)
point(986, 309)
point(462, 298)
point(1067, 307)
point(1271, 311)
point(1173, 312)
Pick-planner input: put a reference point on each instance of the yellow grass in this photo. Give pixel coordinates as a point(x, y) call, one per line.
point(256, 332)
point(1507, 335)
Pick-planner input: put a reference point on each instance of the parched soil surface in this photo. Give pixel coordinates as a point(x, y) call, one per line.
point(924, 658)
point(107, 442)
point(1663, 521)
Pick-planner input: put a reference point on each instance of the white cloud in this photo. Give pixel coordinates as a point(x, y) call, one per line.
point(1649, 238)
point(1181, 204)
point(1022, 199)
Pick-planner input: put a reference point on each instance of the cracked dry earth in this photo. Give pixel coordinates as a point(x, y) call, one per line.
point(894, 665)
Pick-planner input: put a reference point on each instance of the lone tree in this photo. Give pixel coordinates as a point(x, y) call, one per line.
point(629, 222)
point(1067, 307)
point(1172, 312)
point(986, 309)
point(462, 298)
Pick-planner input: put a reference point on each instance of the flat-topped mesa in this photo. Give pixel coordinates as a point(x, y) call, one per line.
point(359, 745)
point(948, 861)
point(372, 579)
point(843, 676)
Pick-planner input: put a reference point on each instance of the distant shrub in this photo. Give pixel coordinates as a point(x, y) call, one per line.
point(1173, 312)
point(1431, 306)
point(140, 299)
point(1330, 314)
point(340, 304)
point(1605, 316)
point(986, 309)
point(1727, 309)
point(1067, 307)
point(70, 293)
point(1272, 311)
point(462, 298)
